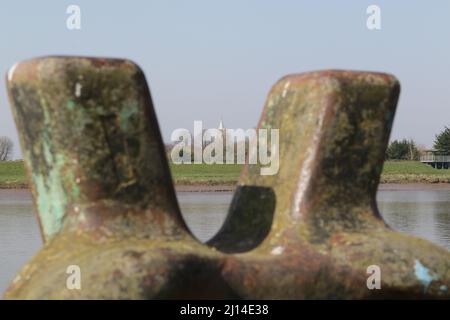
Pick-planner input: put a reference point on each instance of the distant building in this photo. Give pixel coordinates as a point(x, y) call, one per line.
point(436, 159)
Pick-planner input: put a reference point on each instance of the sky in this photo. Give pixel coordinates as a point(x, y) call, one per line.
point(207, 60)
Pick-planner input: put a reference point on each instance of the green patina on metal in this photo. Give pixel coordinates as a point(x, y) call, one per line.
point(131, 110)
point(52, 200)
point(70, 105)
point(105, 198)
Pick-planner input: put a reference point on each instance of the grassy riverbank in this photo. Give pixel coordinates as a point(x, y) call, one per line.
point(205, 174)
point(413, 172)
point(12, 174)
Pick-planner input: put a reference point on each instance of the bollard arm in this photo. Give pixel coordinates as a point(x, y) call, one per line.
point(326, 231)
point(101, 186)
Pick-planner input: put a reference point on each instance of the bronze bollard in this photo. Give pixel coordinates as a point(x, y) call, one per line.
point(105, 199)
point(102, 187)
point(326, 229)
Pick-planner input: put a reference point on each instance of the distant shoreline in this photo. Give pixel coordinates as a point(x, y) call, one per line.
point(410, 186)
point(382, 187)
point(217, 178)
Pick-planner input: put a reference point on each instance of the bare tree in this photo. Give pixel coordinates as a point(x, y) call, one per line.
point(6, 148)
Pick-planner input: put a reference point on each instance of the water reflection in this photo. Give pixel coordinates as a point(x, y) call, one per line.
point(423, 213)
point(19, 233)
point(204, 212)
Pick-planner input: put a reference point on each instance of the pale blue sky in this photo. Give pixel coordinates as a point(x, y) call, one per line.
point(210, 59)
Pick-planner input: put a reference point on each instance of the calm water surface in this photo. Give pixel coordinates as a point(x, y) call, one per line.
point(423, 213)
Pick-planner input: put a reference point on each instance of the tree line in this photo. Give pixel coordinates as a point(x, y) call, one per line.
point(397, 150)
point(408, 150)
point(6, 149)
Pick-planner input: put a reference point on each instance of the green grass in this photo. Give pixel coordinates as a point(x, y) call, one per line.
point(412, 171)
point(12, 174)
point(205, 174)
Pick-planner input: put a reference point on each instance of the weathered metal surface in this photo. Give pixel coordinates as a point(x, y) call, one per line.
point(326, 230)
point(105, 199)
point(102, 187)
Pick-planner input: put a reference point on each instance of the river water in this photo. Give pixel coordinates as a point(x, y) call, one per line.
point(423, 211)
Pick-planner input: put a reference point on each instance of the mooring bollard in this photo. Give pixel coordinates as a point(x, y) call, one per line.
point(102, 187)
point(326, 230)
point(106, 203)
